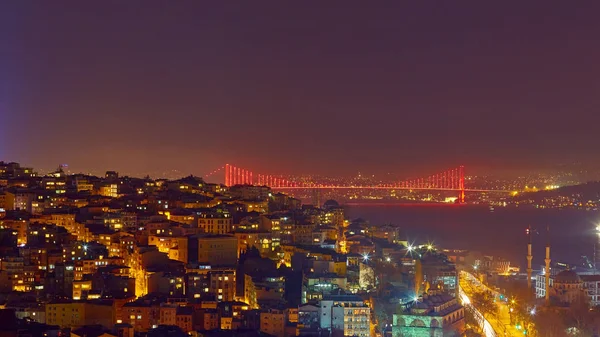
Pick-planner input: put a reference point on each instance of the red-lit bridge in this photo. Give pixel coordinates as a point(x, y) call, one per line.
point(448, 180)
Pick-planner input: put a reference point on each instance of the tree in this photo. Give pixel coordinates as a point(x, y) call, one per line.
point(484, 302)
point(549, 323)
point(380, 311)
point(575, 320)
point(580, 319)
point(470, 320)
point(368, 280)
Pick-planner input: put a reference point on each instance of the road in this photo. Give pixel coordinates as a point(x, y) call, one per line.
point(484, 324)
point(501, 321)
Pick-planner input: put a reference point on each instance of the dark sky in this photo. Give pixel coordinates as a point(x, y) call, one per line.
point(299, 86)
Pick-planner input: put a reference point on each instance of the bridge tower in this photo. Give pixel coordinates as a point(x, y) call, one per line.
point(227, 175)
point(461, 184)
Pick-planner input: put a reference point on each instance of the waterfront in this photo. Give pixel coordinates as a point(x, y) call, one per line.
point(501, 232)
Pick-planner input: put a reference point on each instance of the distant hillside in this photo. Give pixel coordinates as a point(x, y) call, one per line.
point(587, 191)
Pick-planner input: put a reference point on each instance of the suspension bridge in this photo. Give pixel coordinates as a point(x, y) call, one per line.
point(447, 180)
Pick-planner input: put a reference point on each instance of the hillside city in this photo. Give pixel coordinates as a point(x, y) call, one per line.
point(299, 169)
point(119, 256)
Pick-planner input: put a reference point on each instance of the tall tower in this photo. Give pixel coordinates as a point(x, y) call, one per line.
point(547, 260)
point(529, 258)
point(227, 175)
point(461, 184)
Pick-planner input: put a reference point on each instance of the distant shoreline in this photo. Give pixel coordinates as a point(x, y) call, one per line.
point(410, 204)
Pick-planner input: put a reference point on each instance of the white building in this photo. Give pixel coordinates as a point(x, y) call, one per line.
point(540, 284)
point(591, 286)
point(567, 285)
point(345, 313)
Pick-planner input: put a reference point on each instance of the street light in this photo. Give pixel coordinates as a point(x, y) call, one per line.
point(365, 257)
point(388, 259)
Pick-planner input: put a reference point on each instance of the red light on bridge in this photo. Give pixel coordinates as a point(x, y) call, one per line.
point(453, 179)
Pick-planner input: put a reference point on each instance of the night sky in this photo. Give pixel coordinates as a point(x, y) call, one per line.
point(329, 87)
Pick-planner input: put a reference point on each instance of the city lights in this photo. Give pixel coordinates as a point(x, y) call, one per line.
point(276, 170)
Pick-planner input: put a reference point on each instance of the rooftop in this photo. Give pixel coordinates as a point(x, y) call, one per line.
point(567, 276)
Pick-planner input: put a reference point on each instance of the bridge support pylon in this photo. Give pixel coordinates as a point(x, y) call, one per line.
point(461, 184)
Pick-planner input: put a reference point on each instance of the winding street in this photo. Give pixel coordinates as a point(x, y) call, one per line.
point(500, 322)
point(484, 324)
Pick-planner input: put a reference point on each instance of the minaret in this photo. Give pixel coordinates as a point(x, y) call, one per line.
point(596, 241)
point(547, 260)
point(529, 258)
point(316, 197)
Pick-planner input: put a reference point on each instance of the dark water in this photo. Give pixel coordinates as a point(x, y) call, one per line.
point(501, 232)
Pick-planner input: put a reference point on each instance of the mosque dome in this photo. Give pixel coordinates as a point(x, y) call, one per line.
point(567, 276)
